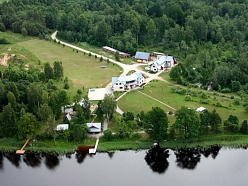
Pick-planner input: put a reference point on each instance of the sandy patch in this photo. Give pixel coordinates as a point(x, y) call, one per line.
point(5, 58)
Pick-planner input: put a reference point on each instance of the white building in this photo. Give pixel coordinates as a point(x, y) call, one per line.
point(127, 82)
point(62, 127)
point(94, 127)
point(162, 62)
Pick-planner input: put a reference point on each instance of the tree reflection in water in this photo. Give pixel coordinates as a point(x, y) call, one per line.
point(110, 154)
point(51, 161)
point(213, 151)
point(82, 152)
point(156, 158)
point(32, 160)
point(187, 158)
point(13, 158)
point(1, 161)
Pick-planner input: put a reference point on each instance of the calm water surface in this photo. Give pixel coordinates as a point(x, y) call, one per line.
point(224, 167)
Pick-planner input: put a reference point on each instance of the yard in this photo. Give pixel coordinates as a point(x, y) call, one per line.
point(136, 102)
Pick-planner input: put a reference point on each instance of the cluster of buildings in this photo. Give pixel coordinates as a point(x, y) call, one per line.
point(128, 82)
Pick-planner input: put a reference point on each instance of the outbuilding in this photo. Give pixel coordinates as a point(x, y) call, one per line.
point(143, 57)
point(62, 127)
point(94, 127)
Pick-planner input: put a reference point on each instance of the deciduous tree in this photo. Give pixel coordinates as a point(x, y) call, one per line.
point(156, 123)
point(108, 105)
point(27, 126)
point(187, 123)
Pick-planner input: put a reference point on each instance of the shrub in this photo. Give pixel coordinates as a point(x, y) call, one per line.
point(3, 41)
point(204, 95)
point(218, 104)
point(236, 101)
point(187, 98)
point(108, 135)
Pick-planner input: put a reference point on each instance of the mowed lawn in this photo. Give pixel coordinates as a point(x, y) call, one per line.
point(136, 102)
point(82, 70)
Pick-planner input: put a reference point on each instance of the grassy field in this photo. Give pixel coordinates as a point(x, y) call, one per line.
point(1, 1)
point(22, 54)
point(82, 70)
point(136, 102)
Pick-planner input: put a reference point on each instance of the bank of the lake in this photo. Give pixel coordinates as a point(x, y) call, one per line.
point(63, 147)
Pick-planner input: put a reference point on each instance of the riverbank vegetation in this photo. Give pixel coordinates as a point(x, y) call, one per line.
point(208, 38)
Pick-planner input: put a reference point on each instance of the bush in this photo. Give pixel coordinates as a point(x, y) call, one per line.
point(108, 135)
point(225, 90)
point(218, 104)
point(204, 95)
point(3, 41)
point(236, 101)
point(187, 98)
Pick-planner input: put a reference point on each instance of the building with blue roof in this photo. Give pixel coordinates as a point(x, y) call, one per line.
point(144, 57)
point(127, 82)
point(162, 62)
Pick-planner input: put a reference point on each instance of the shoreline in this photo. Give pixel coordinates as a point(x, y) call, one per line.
point(62, 147)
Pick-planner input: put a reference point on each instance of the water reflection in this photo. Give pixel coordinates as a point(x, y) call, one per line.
point(213, 151)
point(156, 158)
point(51, 161)
point(13, 158)
point(32, 160)
point(110, 154)
point(187, 158)
point(1, 160)
point(82, 152)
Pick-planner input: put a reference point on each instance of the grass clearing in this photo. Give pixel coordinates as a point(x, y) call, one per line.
point(82, 70)
point(136, 102)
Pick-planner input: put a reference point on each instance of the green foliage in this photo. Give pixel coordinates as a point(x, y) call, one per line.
point(108, 105)
point(27, 126)
point(117, 56)
point(108, 135)
point(236, 101)
point(66, 85)
point(216, 121)
point(156, 123)
point(187, 123)
point(244, 127)
point(187, 98)
point(233, 119)
point(3, 41)
point(48, 70)
point(58, 70)
point(8, 121)
point(79, 132)
point(128, 116)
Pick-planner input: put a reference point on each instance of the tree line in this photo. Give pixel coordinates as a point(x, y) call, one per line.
point(32, 104)
point(209, 36)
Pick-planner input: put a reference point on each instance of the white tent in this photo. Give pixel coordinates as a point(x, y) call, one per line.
point(200, 109)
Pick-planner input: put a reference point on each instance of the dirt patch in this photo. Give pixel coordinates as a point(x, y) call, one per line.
point(5, 58)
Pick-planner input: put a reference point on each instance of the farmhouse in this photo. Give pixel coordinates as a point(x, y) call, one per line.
point(162, 62)
point(62, 127)
point(94, 127)
point(127, 82)
point(113, 51)
point(142, 57)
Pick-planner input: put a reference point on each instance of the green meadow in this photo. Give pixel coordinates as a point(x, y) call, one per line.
point(162, 91)
point(81, 69)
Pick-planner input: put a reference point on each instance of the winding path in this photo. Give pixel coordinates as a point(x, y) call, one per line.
point(126, 68)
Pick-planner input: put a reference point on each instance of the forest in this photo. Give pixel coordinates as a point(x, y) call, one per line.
point(208, 37)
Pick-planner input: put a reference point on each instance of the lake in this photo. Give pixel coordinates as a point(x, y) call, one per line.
point(215, 167)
